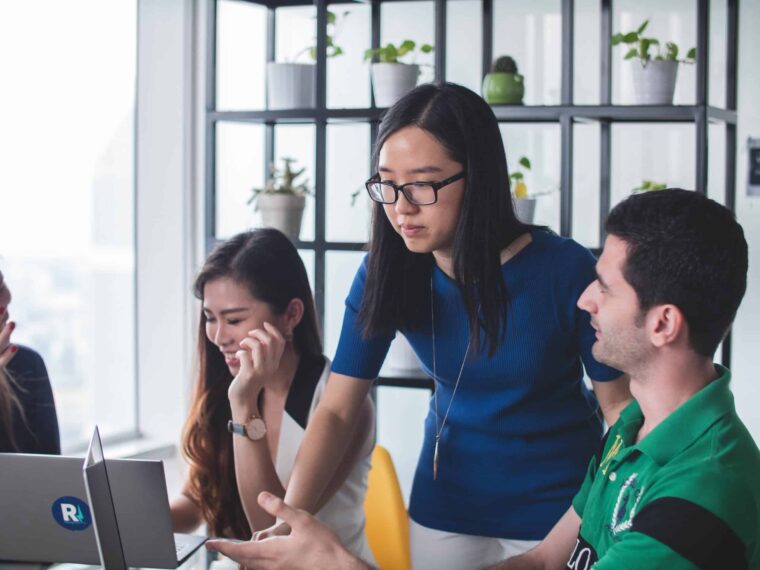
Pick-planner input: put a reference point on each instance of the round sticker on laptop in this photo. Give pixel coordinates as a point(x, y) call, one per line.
point(72, 513)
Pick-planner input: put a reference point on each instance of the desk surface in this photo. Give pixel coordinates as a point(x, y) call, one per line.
point(200, 560)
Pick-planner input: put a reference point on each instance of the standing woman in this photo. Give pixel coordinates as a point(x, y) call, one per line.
point(261, 374)
point(488, 303)
point(28, 421)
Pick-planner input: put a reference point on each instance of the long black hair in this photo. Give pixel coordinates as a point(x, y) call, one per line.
point(396, 294)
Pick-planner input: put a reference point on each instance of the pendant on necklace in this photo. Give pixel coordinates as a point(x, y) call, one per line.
point(435, 458)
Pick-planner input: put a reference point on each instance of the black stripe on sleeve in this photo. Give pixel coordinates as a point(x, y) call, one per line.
point(693, 532)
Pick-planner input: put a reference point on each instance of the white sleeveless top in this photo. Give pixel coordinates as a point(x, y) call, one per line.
point(344, 512)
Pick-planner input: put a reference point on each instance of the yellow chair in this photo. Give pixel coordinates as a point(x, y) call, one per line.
point(387, 523)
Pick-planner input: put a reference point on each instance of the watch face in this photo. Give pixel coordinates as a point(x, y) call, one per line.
point(256, 429)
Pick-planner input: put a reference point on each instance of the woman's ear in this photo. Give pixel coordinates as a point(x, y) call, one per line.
point(293, 315)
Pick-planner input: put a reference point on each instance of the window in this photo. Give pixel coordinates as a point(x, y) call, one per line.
point(67, 243)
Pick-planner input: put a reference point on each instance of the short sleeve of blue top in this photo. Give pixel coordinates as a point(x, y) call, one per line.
point(522, 427)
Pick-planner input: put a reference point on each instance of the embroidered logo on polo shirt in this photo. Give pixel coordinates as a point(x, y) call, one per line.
point(625, 507)
point(611, 453)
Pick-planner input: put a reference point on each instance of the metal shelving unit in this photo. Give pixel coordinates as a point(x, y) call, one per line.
point(566, 115)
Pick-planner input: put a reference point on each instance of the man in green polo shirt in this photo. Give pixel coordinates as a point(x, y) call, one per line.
point(676, 483)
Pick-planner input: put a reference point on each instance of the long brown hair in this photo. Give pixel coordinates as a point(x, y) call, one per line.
point(268, 264)
point(10, 406)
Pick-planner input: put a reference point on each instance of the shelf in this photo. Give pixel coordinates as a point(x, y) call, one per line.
point(504, 113)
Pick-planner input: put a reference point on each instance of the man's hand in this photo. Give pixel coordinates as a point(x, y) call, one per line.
point(310, 544)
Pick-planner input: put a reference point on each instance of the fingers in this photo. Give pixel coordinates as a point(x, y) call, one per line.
point(278, 529)
point(241, 552)
point(7, 355)
point(7, 350)
point(276, 507)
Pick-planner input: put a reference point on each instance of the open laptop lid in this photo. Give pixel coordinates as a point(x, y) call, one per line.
point(100, 498)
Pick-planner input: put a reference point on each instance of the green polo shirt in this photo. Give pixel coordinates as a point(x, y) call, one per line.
point(685, 496)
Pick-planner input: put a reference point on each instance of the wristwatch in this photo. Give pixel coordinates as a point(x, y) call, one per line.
point(254, 429)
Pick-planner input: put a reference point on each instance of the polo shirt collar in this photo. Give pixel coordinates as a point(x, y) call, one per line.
point(687, 422)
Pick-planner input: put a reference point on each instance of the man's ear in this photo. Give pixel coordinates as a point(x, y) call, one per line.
point(665, 325)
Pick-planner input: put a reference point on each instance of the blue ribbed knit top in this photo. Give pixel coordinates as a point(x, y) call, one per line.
point(523, 425)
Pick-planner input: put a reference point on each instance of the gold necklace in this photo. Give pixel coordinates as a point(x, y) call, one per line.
point(439, 430)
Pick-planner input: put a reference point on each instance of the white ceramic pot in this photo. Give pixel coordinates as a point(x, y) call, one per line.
point(282, 212)
point(401, 361)
point(655, 82)
point(391, 81)
point(525, 208)
point(291, 85)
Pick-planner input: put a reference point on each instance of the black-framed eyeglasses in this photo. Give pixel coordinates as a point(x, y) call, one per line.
point(418, 193)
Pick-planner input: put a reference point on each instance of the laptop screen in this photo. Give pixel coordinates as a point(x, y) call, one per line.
point(101, 502)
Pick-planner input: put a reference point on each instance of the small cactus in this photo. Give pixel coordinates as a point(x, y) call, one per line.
point(504, 64)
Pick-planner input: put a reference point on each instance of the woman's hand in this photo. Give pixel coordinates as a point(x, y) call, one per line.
point(259, 357)
point(7, 350)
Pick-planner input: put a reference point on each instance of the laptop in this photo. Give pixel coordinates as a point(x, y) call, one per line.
point(48, 517)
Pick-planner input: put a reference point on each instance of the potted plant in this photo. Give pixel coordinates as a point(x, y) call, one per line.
point(292, 85)
point(649, 186)
point(525, 206)
point(654, 74)
point(282, 200)
point(503, 85)
point(391, 79)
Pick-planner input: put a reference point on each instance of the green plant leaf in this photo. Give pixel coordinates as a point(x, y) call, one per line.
point(642, 27)
point(672, 50)
point(616, 39)
point(692, 53)
point(407, 46)
point(337, 51)
point(630, 53)
point(331, 18)
point(630, 37)
point(426, 48)
point(387, 54)
point(313, 53)
point(644, 49)
point(524, 162)
point(516, 176)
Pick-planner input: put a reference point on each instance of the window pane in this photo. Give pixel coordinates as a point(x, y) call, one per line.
point(410, 21)
point(586, 53)
point(531, 32)
point(67, 110)
point(539, 143)
point(661, 153)
point(340, 268)
point(672, 21)
point(464, 42)
point(586, 183)
point(298, 142)
point(241, 55)
point(239, 169)
point(347, 74)
point(348, 157)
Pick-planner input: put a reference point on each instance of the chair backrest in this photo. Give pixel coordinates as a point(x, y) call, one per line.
point(387, 523)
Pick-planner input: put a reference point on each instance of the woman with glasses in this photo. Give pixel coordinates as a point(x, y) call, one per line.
point(488, 303)
point(28, 421)
point(261, 373)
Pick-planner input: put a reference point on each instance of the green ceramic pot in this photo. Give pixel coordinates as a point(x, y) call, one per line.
point(503, 88)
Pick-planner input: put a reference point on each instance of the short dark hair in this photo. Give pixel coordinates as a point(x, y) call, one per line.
point(687, 250)
point(397, 291)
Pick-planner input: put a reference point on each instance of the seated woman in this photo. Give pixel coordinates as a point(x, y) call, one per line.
point(28, 422)
point(261, 373)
